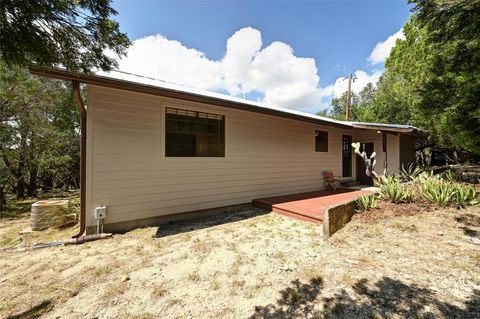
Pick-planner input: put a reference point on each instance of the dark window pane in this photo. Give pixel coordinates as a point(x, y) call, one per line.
point(180, 144)
point(321, 141)
point(346, 156)
point(190, 133)
point(384, 142)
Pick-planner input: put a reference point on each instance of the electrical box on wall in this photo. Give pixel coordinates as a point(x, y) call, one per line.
point(100, 212)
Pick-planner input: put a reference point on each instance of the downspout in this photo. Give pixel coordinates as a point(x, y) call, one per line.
point(83, 155)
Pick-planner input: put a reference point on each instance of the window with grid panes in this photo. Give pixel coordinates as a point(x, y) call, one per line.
point(194, 134)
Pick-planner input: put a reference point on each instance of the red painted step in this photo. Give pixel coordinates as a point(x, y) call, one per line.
point(309, 206)
point(295, 215)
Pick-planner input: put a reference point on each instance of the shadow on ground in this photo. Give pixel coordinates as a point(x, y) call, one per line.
point(34, 312)
point(296, 301)
point(384, 299)
point(179, 227)
point(469, 222)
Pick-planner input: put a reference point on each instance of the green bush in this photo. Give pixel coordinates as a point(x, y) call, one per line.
point(410, 172)
point(366, 202)
point(442, 190)
point(437, 191)
point(409, 195)
point(451, 176)
point(391, 189)
point(448, 193)
point(466, 196)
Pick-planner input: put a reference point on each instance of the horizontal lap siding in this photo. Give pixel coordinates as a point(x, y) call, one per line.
point(393, 148)
point(128, 172)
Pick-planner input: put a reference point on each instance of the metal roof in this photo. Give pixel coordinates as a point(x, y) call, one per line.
point(136, 83)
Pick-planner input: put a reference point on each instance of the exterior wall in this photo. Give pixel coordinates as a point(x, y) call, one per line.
point(264, 155)
point(393, 153)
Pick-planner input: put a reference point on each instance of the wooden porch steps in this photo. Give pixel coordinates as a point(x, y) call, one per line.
point(308, 206)
point(316, 219)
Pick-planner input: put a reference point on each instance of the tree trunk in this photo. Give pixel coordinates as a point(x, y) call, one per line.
point(2, 199)
point(32, 183)
point(47, 181)
point(20, 189)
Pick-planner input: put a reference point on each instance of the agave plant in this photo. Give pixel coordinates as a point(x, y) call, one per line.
point(437, 191)
point(451, 176)
point(466, 196)
point(410, 172)
point(409, 195)
point(366, 202)
point(391, 189)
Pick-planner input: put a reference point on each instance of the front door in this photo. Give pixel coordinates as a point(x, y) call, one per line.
point(361, 174)
point(346, 156)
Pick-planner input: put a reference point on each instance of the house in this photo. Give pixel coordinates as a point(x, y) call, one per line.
point(154, 151)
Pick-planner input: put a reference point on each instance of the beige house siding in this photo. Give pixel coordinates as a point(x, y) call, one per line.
point(393, 153)
point(264, 155)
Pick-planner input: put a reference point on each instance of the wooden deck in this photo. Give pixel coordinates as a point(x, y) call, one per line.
point(309, 206)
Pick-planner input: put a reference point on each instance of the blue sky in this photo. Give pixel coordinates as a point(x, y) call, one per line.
point(338, 35)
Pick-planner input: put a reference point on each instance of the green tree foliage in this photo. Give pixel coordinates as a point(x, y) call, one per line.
point(360, 105)
point(432, 78)
point(339, 104)
point(453, 89)
point(397, 96)
point(73, 33)
point(39, 132)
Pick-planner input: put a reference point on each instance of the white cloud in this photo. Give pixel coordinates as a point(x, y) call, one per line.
point(382, 49)
point(169, 60)
point(361, 79)
point(236, 65)
point(283, 78)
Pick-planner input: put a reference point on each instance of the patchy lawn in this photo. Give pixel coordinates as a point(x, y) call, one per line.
point(253, 265)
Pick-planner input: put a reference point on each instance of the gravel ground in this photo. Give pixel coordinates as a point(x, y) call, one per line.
point(396, 261)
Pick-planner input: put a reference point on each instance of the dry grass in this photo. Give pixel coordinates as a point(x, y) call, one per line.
point(393, 262)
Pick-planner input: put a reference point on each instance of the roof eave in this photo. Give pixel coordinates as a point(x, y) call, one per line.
point(403, 130)
point(172, 93)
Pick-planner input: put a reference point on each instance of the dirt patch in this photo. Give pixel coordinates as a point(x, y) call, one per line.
point(386, 209)
point(251, 265)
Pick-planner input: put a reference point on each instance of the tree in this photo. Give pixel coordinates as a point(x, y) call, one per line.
point(4, 179)
point(38, 130)
point(72, 33)
point(323, 112)
point(452, 91)
point(339, 104)
point(432, 78)
point(359, 107)
point(363, 108)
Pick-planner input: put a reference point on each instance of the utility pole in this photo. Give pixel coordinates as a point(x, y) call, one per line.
point(347, 108)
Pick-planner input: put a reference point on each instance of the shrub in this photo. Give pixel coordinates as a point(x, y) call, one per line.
point(466, 196)
point(366, 202)
point(448, 193)
point(437, 191)
point(410, 172)
point(409, 195)
point(392, 190)
point(451, 176)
